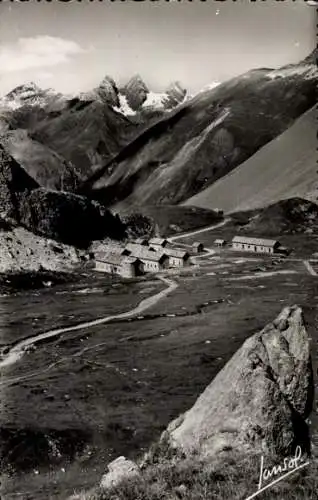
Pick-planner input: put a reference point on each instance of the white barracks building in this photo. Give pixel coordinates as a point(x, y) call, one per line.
point(257, 245)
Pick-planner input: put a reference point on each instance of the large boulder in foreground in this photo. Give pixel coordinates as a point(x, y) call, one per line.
point(259, 401)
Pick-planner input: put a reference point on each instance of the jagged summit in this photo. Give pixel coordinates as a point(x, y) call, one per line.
point(176, 87)
point(24, 89)
point(108, 91)
point(30, 94)
point(137, 80)
point(312, 57)
point(135, 96)
point(135, 91)
point(176, 93)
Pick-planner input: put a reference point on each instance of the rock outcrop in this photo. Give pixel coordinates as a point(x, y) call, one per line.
point(136, 92)
point(175, 95)
point(259, 401)
point(108, 92)
point(119, 470)
point(22, 251)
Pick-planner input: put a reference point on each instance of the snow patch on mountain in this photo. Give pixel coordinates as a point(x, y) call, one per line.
point(124, 107)
point(209, 86)
point(155, 100)
point(308, 71)
point(29, 94)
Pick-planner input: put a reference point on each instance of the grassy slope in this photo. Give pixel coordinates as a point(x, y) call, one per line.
point(284, 168)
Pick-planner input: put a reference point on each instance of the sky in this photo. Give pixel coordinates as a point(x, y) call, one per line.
point(71, 46)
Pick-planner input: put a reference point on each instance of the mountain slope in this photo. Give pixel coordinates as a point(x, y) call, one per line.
point(284, 168)
point(46, 166)
point(31, 95)
point(83, 132)
point(206, 137)
point(61, 140)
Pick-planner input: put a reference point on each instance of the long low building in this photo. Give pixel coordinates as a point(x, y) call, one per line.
point(257, 245)
point(127, 267)
point(153, 261)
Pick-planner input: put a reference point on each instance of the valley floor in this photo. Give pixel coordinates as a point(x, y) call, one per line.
point(111, 389)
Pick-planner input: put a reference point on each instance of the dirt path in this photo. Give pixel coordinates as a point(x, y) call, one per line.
point(262, 275)
point(198, 231)
point(16, 352)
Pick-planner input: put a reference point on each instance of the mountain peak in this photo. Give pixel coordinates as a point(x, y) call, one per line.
point(312, 58)
point(108, 79)
point(176, 86)
point(175, 93)
point(135, 91)
point(136, 80)
point(108, 91)
point(26, 88)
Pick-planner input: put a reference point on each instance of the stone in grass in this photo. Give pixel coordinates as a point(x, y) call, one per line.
point(119, 470)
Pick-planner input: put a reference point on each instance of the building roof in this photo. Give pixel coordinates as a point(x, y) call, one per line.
point(197, 243)
point(141, 241)
point(157, 241)
point(255, 241)
point(109, 258)
point(108, 248)
point(144, 253)
point(180, 254)
point(218, 240)
point(130, 260)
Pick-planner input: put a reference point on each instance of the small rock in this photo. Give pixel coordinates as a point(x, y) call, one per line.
point(49, 397)
point(119, 470)
point(181, 491)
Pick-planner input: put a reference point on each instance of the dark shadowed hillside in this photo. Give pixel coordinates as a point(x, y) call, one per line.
point(207, 137)
point(286, 217)
point(166, 220)
point(85, 133)
point(294, 215)
point(62, 216)
point(46, 166)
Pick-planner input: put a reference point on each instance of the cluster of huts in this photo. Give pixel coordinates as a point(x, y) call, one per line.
point(256, 245)
point(144, 256)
